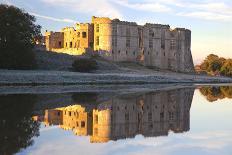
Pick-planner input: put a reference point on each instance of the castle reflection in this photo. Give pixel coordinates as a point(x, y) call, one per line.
point(125, 116)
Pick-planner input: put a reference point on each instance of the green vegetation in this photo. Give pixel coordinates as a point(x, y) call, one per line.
point(215, 65)
point(84, 65)
point(17, 38)
point(215, 93)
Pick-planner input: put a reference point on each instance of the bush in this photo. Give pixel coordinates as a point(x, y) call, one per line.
point(84, 65)
point(17, 38)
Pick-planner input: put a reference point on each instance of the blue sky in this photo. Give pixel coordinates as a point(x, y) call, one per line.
point(209, 20)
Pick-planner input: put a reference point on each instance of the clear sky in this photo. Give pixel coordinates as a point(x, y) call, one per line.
point(209, 20)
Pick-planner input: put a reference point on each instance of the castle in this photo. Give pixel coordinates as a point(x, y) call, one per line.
point(152, 45)
point(150, 114)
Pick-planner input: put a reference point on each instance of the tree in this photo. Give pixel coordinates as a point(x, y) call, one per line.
point(17, 33)
point(226, 69)
point(16, 124)
point(216, 65)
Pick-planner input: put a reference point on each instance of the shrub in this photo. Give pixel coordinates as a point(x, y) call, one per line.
point(84, 65)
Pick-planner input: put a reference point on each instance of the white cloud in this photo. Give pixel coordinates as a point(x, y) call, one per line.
point(145, 6)
point(53, 18)
point(206, 10)
point(93, 7)
point(206, 15)
point(7, 2)
point(217, 11)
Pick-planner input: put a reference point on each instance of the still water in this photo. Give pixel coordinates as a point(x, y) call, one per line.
point(176, 121)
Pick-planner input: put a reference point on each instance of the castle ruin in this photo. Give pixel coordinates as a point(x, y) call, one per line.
point(125, 116)
point(152, 45)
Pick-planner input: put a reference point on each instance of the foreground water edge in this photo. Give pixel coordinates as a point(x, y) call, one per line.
point(30, 121)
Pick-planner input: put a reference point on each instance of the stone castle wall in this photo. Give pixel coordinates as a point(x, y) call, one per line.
point(152, 45)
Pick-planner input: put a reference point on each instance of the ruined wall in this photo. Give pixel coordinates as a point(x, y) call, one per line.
point(73, 41)
point(152, 45)
point(54, 40)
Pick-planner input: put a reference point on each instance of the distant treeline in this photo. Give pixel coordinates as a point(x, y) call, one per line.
point(215, 65)
point(214, 93)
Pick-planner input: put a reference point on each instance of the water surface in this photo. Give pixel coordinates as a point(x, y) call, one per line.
point(176, 121)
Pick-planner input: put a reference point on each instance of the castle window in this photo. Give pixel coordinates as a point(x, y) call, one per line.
point(150, 43)
point(84, 35)
point(126, 52)
point(143, 52)
point(151, 126)
point(149, 116)
point(77, 124)
point(97, 40)
point(163, 44)
point(163, 40)
point(148, 53)
point(58, 113)
point(172, 44)
point(151, 33)
point(70, 114)
point(78, 34)
point(59, 43)
point(112, 51)
point(70, 44)
point(82, 124)
point(66, 44)
point(171, 115)
point(161, 115)
point(119, 51)
point(127, 117)
point(127, 42)
point(96, 119)
point(97, 28)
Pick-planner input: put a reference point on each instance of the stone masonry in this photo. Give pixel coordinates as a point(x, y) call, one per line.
point(152, 45)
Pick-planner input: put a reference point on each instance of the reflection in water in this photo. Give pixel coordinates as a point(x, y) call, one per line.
point(16, 125)
point(124, 116)
point(216, 92)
